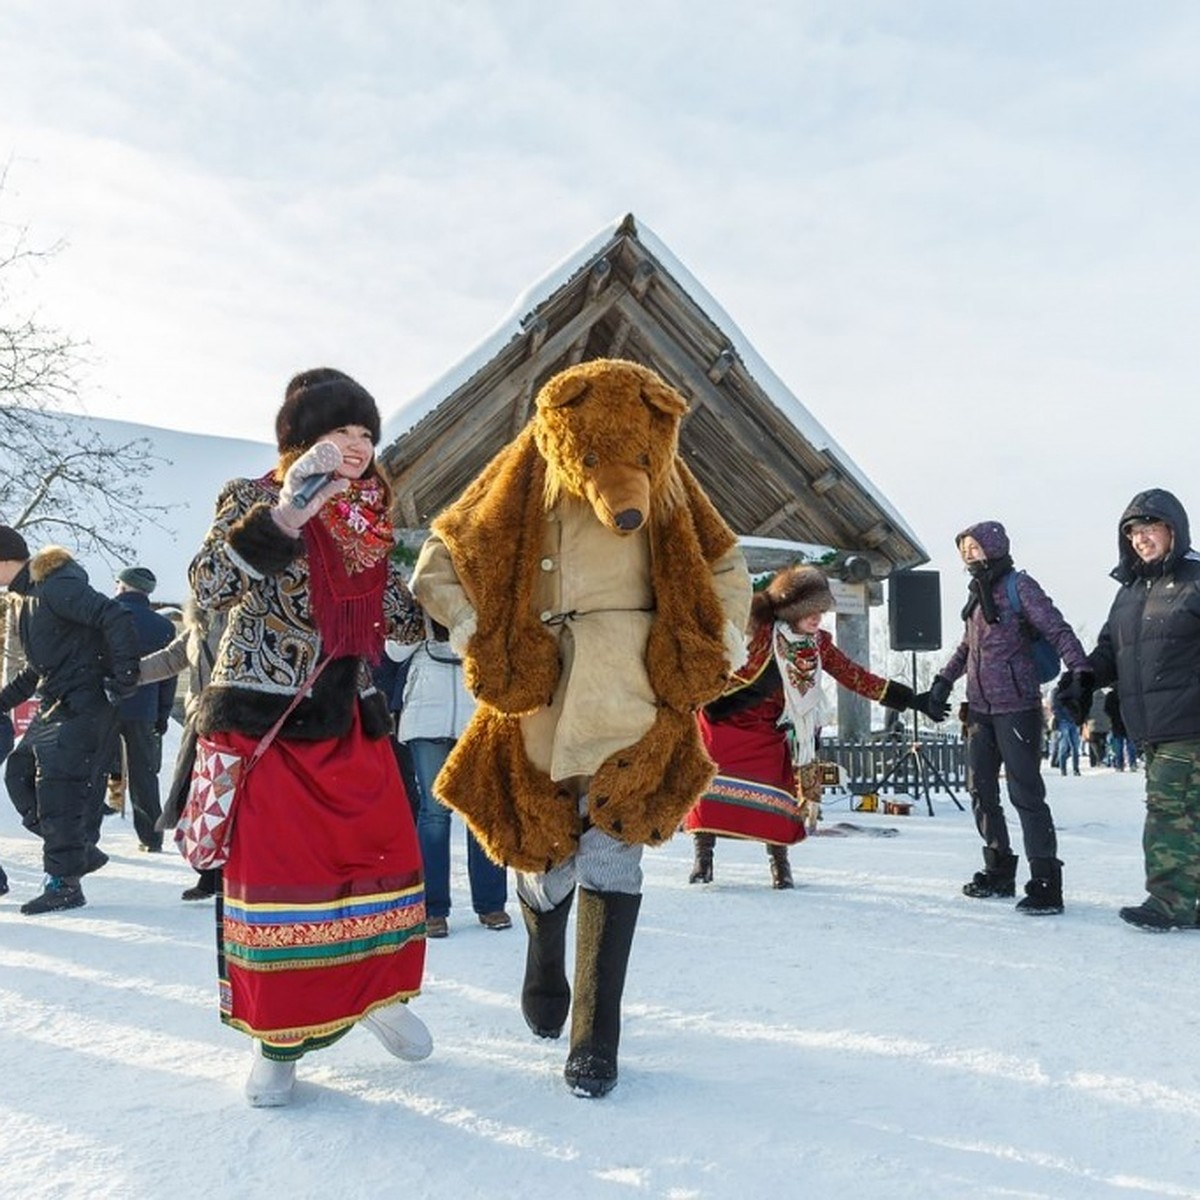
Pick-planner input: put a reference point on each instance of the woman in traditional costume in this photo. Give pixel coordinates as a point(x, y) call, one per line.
point(768, 784)
point(321, 916)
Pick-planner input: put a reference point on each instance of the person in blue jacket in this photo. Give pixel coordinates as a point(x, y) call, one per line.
point(142, 718)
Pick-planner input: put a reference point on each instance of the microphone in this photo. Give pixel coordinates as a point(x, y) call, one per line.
point(310, 485)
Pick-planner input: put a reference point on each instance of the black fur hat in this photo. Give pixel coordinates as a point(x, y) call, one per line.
point(318, 401)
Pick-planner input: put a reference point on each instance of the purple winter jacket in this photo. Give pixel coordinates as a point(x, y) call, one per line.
point(997, 659)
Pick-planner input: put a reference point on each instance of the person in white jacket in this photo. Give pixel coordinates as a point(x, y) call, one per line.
point(435, 709)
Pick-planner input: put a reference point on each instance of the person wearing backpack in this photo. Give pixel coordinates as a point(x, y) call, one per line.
point(1004, 704)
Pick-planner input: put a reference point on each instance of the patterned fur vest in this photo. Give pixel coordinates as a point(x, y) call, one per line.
point(259, 577)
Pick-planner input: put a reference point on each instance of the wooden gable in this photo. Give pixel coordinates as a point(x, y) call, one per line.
point(772, 473)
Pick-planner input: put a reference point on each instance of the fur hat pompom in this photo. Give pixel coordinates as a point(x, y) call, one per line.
point(319, 401)
point(797, 592)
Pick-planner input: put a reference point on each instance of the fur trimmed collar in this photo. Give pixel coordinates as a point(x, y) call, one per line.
point(48, 560)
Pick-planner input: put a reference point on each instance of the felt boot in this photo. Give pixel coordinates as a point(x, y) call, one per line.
point(702, 867)
point(270, 1082)
point(781, 870)
point(603, 938)
point(546, 993)
point(400, 1031)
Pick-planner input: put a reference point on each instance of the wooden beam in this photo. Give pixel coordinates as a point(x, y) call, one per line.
point(825, 481)
point(599, 279)
point(784, 512)
point(721, 365)
point(616, 348)
point(536, 331)
point(697, 383)
point(513, 387)
point(641, 278)
point(876, 535)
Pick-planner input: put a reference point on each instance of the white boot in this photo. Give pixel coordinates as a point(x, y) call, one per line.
point(270, 1083)
point(401, 1031)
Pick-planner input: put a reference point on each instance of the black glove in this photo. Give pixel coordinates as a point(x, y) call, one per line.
point(160, 726)
point(1075, 690)
point(935, 703)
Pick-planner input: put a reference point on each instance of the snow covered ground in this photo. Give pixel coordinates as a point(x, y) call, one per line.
point(871, 1034)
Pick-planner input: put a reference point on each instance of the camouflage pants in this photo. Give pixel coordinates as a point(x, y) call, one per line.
point(1171, 837)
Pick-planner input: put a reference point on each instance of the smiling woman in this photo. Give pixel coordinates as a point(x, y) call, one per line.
point(321, 921)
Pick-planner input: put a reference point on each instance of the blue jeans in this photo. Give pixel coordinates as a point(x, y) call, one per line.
point(489, 882)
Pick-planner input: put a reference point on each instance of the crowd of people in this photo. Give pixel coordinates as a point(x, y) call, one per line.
point(339, 865)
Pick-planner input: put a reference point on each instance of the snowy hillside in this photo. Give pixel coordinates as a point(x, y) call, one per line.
point(196, 466)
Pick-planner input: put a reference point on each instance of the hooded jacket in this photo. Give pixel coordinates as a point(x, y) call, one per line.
point(997, 657)
point(1150, 644)
point(73, 638)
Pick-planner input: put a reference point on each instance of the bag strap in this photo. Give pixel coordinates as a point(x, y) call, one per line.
point(1014, 596)
point(272, 733)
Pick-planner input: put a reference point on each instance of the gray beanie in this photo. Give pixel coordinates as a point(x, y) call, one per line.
point(141, 578)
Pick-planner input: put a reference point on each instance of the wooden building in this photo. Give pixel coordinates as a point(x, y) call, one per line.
point(776, 475)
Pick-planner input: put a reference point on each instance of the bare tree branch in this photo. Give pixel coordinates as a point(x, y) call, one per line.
point(58, 478)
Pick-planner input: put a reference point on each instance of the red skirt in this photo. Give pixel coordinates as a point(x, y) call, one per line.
point(322, 915)
point(754, 793)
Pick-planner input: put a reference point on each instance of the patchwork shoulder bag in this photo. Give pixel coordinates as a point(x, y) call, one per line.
point(205, 829)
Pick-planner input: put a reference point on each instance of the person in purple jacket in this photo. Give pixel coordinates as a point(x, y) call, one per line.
point(1004, 703)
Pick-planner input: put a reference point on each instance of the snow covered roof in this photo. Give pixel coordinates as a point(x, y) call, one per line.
point(770, 467)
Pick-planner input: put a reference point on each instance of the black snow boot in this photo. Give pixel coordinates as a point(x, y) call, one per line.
point(61, 891)
point(546, 994)
point(702, 868)
point(1152, 915)
point(603, 937)
point(781, 870)
point(3, 882)
point(1043, 892)
point(998, 877)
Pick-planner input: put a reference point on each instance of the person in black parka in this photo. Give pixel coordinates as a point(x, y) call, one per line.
point(81, 651)
point(1149, 649)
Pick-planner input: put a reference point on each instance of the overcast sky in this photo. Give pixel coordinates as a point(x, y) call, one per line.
point(964, 235)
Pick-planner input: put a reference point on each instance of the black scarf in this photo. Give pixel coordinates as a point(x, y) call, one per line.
point(979, 591)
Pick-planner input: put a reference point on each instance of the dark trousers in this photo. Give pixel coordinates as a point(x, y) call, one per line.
point(52, 777)
point(1014, 741)
point(143, 760)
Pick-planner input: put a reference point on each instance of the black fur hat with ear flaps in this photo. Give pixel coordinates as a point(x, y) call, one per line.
point(797, 592)
point(319, 401)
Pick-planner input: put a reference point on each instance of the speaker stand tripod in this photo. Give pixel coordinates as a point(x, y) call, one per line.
point(922, 766)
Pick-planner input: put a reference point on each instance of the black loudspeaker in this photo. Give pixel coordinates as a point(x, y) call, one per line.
point(915, 610)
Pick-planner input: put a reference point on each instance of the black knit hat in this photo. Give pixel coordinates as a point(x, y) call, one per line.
point(319, 401)
point(12, 545)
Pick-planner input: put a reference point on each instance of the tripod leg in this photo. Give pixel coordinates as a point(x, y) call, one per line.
point(940, 780)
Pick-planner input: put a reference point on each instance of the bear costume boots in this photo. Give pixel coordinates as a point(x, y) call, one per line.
point(998, 877)
point(546, 994)
point(603, 938)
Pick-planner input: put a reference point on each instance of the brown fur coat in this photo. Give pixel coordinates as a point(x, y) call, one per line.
point(645, 631)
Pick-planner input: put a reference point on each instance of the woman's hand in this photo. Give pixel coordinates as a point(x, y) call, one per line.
point(323, 458)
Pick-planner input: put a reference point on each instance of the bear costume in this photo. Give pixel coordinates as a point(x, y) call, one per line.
point(598, 599)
